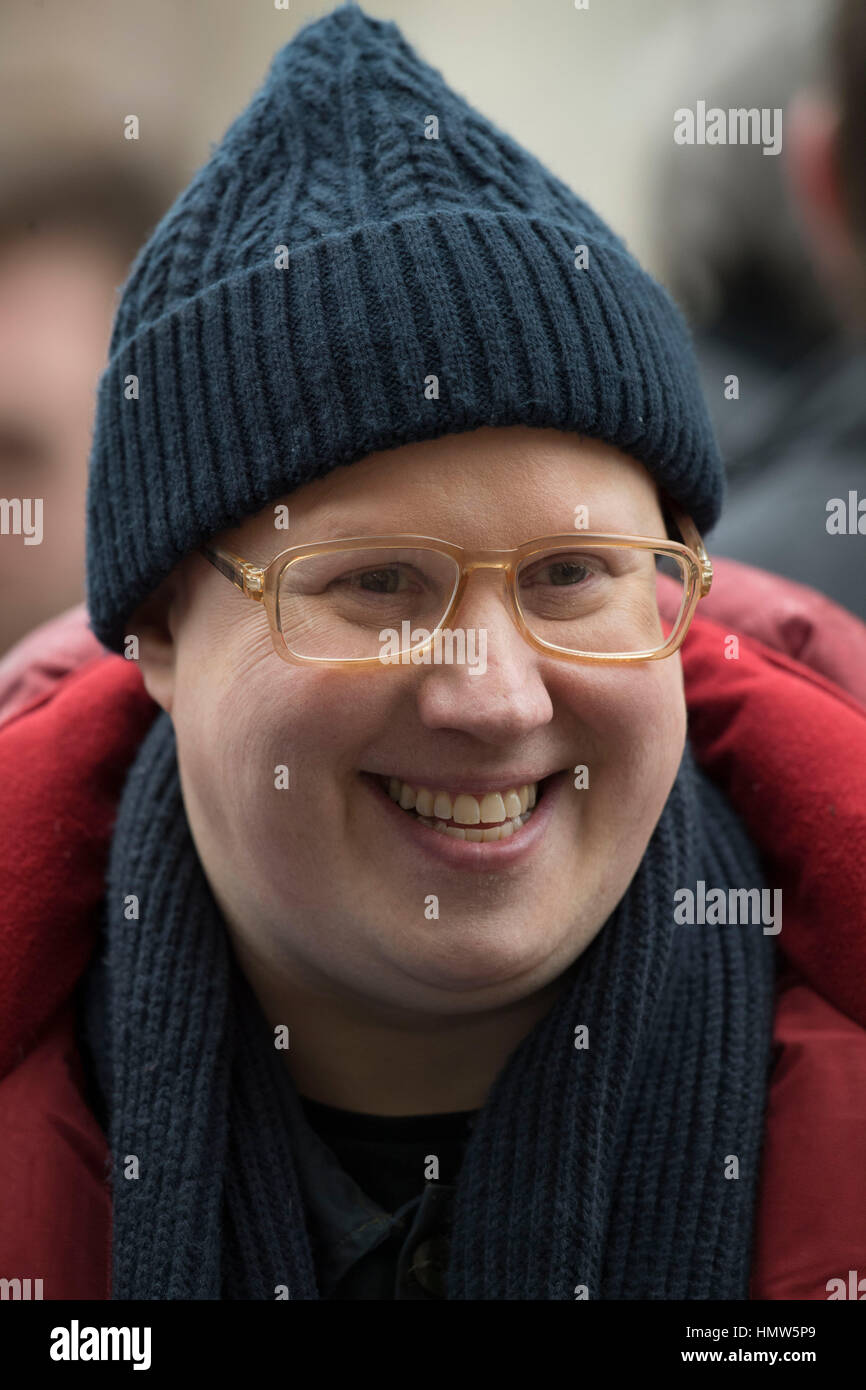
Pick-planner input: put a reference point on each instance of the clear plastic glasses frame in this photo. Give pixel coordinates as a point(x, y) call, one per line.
point(262, 583)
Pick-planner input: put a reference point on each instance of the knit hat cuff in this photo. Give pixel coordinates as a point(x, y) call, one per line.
point(317, 357)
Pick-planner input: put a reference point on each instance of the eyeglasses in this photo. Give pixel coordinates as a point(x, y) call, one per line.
point(581, 596)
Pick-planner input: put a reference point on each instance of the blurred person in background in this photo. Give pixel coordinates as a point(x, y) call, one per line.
point(769, 258)
point(76, 202)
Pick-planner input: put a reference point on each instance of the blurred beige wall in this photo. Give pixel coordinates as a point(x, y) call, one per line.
point(588, 91)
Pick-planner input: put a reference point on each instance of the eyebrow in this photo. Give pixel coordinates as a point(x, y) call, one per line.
point(334, 526)
point(600, 519)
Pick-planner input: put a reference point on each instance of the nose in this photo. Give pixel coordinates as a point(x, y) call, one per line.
point(506, 696)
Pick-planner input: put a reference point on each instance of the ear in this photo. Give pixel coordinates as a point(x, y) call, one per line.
point(157, 649)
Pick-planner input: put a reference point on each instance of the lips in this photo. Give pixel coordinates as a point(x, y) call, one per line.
point(474, 847)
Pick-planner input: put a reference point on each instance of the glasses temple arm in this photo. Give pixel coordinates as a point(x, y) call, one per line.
point(245, 576)
point(692, 538)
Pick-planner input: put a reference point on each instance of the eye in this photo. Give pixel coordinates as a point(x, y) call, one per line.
point(564, 571)
point(385, 580)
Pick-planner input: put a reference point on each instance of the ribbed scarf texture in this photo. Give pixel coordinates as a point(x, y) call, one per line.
point(604, 1168)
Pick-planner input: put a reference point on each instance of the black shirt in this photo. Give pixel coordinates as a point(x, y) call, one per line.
point(379, 1192)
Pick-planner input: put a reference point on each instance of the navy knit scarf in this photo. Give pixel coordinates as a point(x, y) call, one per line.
point(625, 1169)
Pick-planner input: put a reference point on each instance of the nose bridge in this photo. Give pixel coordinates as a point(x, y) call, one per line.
point(489, 560)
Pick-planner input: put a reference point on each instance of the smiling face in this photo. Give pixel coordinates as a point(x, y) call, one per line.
point(328, 882)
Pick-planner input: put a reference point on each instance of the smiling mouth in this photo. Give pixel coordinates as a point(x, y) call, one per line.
point(493, 817)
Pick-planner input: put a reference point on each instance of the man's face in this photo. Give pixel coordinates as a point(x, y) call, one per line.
point(328, 882)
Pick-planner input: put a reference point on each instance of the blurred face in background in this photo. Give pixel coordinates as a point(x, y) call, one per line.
point(56, 306)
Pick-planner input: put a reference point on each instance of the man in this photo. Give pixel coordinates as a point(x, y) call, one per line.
point(798, 485)
point(73, 211)
point(391, 999)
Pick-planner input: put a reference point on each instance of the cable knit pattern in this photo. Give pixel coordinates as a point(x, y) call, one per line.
point(601, 1167)
point(408, 258)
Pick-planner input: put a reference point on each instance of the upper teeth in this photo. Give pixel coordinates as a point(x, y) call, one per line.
point(461, 807)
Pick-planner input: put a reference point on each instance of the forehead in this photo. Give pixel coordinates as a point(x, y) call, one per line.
point(489, 487)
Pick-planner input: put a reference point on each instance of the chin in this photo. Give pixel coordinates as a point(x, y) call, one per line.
point(469, 962)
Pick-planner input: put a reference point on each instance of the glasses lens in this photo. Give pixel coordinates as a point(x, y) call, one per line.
point(353, 603)
point(602, 600)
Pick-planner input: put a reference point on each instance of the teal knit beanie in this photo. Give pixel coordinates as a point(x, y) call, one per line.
point(360, 230)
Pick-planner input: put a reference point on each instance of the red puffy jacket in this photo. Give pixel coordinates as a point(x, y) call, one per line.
point(784, 738)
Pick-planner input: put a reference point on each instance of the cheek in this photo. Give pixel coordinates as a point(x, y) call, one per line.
point(226, 713)
point(264, 748)
point(634, 723)
point(652, 740)
point(650, 714)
